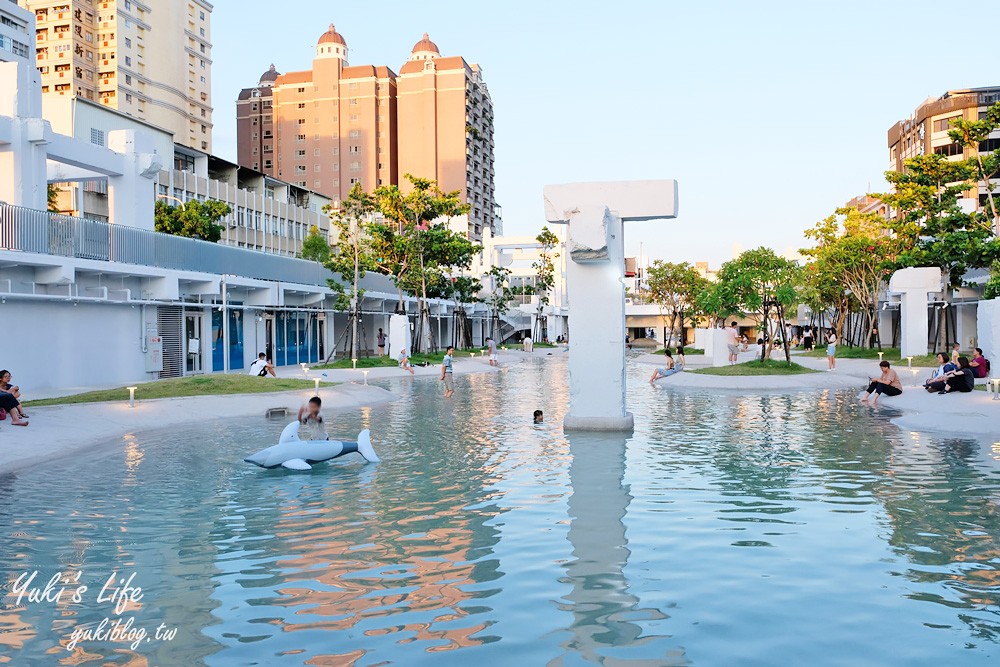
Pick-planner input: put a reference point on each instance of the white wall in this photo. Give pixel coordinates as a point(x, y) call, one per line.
point(55, 345)
point(989, 329)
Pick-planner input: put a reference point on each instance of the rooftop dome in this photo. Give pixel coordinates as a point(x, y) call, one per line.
point(426, 45)
point(268, 77)
point(331, 35)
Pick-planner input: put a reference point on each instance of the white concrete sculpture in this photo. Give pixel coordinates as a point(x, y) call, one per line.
point(295, 454)
point(913, 285)
point(399, 335)
point(31, 153)
point(595, 213)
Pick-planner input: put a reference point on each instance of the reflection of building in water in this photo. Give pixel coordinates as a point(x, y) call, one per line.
point(603, 608)
point(349, 557)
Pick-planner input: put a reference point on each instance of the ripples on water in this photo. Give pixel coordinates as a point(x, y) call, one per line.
point(765, 530)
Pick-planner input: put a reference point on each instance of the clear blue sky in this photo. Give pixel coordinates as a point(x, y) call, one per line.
point(769, 114)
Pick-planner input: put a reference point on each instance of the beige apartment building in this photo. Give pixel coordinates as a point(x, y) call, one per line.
point(926, 130)
point(446, 129)
point(151, 59)
point(338, 124)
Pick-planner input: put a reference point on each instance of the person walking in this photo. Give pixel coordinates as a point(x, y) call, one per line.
point(807, 339)
point(887, 383)
point(446, 373)
point(491, 347)
point(733, 342)
point(831, 351)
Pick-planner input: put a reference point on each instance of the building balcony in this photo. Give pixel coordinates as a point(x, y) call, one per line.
point(41, 232)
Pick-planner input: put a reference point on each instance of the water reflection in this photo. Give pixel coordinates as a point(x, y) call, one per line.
point(604, 609)
point(728, 526)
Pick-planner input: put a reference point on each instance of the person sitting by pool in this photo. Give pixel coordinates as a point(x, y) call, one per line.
point(936, 381)
point(10, 404)
point(962, 380)
point(980, 365)
point(11, 389)
point(261, 367)
point(669, 369)
point(311, 421)
point(537, 417)
point(887, 383)
point(404, 361)
point(681, 359)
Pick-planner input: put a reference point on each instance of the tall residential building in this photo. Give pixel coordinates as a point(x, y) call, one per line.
point(336, 125)
point(926, 130)
point(255, 124)
point(151, 59)
point(446, 129)
point(16, 29)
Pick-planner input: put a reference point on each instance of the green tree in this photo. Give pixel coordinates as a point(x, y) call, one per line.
point(195, 219)
point(855, 253)
point(352, 257)
point(315, 248)
point(992, 290)
point(545, 275)
point(759, 282)
point(930, 224)
point(52, 197)
point(675, 288)
point(413, 247)
point(498, 297)
point(969, 134)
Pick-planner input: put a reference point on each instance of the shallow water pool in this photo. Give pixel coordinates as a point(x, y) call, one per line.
point(729, 530)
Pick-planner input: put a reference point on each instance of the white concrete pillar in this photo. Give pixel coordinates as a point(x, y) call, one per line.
point(595, 213)
point(23, 136)
point(913, 285)
point(130, 195)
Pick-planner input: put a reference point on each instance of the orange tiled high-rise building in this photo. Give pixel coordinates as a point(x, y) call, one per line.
point(336, 125)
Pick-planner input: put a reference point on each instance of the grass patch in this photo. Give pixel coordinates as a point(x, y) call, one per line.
point(543, 345)
point(687, 350)
point(757, 367)
point(890, 354)
point(197, 385)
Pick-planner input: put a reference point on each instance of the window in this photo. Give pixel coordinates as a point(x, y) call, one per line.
point(355, 149)
point(354, 118)
point(128, 42)
point(302, 105)
point(301, 121)
point(316, 152)
point(300, 153)
point(353, 102)
point(355, 166)
point(267, 164)
point(300, 168)
point(354, 134)
point(97, 137)
point(128, 61)
point(317, 168)
point(944, 124)
point(948, 150)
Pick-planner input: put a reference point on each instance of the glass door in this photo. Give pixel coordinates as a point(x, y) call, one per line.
point(192, 344)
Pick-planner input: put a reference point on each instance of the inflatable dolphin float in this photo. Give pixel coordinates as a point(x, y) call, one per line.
point(295, 454)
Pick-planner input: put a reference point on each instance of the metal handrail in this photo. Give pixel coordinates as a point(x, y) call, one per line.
point(29, 230)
